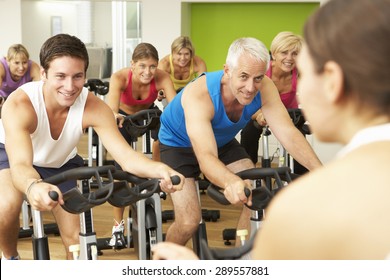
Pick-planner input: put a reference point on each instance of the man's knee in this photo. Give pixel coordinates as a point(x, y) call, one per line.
point(10, 208)
point(188, 223)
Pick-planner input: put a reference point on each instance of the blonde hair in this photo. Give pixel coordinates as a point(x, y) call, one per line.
point(286, 41)
point(183, 42)
point(17, 49)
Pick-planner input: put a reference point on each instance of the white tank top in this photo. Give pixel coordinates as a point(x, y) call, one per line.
point(47, 151)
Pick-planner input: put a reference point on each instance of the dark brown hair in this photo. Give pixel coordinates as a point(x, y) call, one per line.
point(63, 45)
point(355, 34)
point(144, 50)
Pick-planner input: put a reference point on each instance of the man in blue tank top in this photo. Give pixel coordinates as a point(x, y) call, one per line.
point(198, 129)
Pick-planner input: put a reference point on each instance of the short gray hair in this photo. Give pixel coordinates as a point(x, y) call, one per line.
point(249, 45)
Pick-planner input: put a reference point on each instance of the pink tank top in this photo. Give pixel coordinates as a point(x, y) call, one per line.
point(127, 96)
point(289, 99)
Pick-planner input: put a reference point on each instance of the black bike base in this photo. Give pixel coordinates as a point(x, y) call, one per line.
point(41, 248)
point(48, 228)
point(228, 235)
point(207, 215)
point(102, 244)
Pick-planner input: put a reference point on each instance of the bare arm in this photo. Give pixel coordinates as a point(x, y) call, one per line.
point(199, 111)
point(19, 120)
point(2, 74)
point(35, 71)
point(129, 159)
point(118, 83)
point(163, 64)
point(164, 82)
point(199, 65)
point(283, 128)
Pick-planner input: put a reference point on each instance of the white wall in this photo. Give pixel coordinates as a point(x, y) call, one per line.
point(158, 28)
point(11, 18)
point(73, 17)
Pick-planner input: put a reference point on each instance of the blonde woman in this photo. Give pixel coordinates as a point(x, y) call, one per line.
point(283, 72)
point(17, 69)
point(182, 64)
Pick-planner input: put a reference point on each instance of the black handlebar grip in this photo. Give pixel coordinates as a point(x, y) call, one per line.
point(53, 195)
point(216, 193)
point(175, 180)
point(247, 192)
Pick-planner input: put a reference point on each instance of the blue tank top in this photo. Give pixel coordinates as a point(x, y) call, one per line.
point(173, 130)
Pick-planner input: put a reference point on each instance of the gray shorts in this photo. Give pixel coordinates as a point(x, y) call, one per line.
point(46, 172)
point(184, 161)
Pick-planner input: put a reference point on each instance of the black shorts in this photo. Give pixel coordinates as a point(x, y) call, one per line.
point(184, 161)
point(46, 172)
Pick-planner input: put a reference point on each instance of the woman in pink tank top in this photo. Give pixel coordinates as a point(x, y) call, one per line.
point(282, 70)
point(133, 89)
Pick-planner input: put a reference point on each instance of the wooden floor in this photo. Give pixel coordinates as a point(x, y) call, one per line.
point(103, 221)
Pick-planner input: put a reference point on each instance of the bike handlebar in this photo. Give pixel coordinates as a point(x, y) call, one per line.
point(80, 173)
point(116, 193)
point(260, 196)
point(147, 114)
point(76, 202)
point(299, 120)
point(125, 195)
point(137, 124)
point(97, 86)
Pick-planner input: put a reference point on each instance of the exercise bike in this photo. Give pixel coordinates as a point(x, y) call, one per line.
point(95, 146)
point(113, 187)
point(299, 122)
point(144, 222)
point(142, 195)
point(261, 196)
point(77, 201)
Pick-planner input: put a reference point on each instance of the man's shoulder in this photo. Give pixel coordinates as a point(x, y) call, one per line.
point(33, 85)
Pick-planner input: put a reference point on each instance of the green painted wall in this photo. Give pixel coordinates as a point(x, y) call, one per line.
point(214, 26)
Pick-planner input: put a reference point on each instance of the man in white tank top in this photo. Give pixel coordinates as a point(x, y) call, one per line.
point(42, 123)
